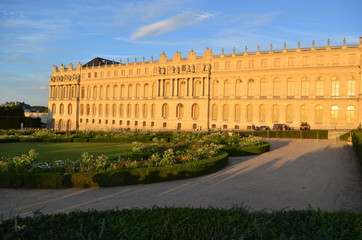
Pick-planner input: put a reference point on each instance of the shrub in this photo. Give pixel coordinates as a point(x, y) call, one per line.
point(357, 143)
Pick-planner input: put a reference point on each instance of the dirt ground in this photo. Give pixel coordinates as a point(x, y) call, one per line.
point(294, 175)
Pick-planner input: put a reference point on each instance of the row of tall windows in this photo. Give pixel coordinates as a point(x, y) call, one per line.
point(290, 113)
point(250, 87)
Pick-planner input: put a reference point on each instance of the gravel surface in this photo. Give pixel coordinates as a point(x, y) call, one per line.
point(294, 175)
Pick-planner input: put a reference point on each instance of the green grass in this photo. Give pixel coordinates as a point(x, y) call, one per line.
point(49, 152)
point(186, 223)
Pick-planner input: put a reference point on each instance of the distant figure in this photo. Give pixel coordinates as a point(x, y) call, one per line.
point(359, 127)
point(22, 125)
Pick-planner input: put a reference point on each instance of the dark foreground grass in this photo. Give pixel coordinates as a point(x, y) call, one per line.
point(49, 152)
point(186, 223)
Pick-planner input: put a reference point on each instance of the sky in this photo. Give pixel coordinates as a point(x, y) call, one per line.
point(37, 34)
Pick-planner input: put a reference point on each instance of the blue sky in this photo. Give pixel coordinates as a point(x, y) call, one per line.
point(34, 35)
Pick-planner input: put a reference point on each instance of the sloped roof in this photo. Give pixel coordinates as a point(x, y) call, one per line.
point(99, 62)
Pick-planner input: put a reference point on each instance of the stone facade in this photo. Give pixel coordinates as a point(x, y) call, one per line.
point(318, 85)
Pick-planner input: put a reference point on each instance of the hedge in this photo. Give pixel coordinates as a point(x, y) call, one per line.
point(357, 143)
point(116, 177)
point(247, 151)
point(14, 122)
point(312, 134)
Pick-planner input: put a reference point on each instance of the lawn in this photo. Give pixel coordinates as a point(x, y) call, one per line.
point(60, 151)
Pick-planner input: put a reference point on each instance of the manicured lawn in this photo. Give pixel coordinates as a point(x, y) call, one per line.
point(60, 151)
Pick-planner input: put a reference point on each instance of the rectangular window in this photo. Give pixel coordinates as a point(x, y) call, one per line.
point(138, 71)
point(291, 62)
point(263, 63)
point(146, 71)
point(130, 72)
point(123, 72)
point(216, 66)
point(305, 60)
point(238, 65)
point(108, 73)
point(335, 88)
point(320, 60)
point(227, 65)
point(251, 64)
point(277, 62)
point(335, 60)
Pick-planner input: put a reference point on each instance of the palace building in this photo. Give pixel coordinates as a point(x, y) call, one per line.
point(318, 85)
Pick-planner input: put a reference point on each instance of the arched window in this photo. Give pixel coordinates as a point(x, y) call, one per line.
point(144, 110)
point(94, 110)
point(167, 89)
point(138, 90)
point(95, 92)
point(70, 108)
point(225, 112)
point(107, 110)
point(121, 110)
point(263, 87)
point(250, 88)
point(351, 87)
point(334, 114)
point(319, 114)
point(153, 110)
point(122, 91)
point(249, 113)
point(289, 113)
point(130, 91)
point(81, 109)
point(154, 90)
point(304, 113)
point(82, 92)
point(115, 92)
point(215, 86)
point(54, 108)
point(89, 92)
point(276, 87)
point(237, 112)
point(87, 109)
point(179, 111)
point(101, 91)
point(227, 87)
point(350, 114)
point(275, 113)
point(60, 125)
point(198, 88)
point(146, 90)
point(335, 87)
point(262, 113)
point(305, 87)
point(320, 87)
point(114, 110)
point(165, 110)
point(69, 125)
point(108, 92)
point(182, 90)
point(100, 109)
point(129, 110)
point(195, 111)
point(290, 87)
point(136, 110)
point(61, 109)
point(238, 88)
point(214, 112)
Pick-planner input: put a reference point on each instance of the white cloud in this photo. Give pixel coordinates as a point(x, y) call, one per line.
point(179, 21)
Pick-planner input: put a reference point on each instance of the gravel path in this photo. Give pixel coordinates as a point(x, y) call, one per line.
point(294, 175)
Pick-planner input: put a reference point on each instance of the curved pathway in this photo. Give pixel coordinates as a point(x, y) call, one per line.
point(294, 175)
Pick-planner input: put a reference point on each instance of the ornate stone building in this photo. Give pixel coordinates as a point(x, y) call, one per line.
point(318, 85)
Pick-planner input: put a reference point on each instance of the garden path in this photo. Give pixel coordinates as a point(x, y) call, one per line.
point(294, 175)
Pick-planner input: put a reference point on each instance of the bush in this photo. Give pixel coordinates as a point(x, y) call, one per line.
point(247, 151)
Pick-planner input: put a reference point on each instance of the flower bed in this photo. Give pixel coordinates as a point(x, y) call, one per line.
point(172, 156)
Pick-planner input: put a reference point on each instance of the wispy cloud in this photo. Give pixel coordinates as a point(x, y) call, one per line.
point(171, 24)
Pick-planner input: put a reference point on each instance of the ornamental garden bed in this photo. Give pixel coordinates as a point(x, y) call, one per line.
point(170, 156)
